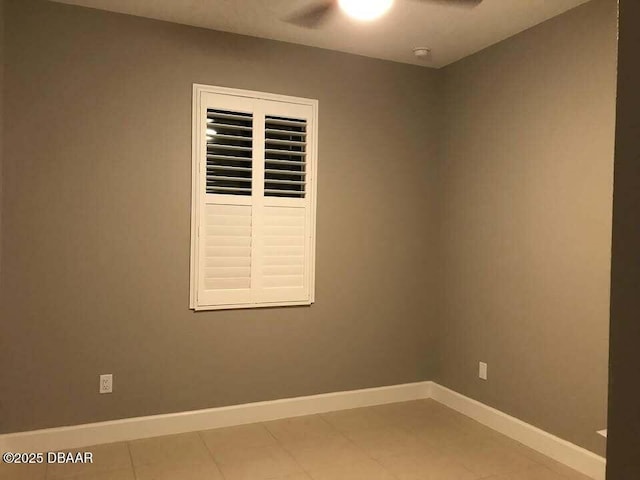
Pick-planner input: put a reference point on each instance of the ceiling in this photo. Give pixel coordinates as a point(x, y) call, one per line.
point(452, 33)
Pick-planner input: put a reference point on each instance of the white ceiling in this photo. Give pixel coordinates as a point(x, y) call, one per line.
point(451, 33)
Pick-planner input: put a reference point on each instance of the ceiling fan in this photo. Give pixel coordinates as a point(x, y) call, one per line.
point(315, 15)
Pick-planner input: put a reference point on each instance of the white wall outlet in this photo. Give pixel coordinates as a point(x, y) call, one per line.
point(482, 371)
point(106, 383)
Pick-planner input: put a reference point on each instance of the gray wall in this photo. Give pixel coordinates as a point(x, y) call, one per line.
point(96, 220)
point(623, 461)
point(527, 190)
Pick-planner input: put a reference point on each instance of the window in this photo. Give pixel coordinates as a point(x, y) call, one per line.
point(253, 202)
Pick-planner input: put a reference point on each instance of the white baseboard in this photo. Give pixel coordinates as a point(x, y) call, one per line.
point(567, 453)
point(55, 439)
point(52, 439)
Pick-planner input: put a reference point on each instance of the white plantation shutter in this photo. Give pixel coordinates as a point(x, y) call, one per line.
point(253, 200)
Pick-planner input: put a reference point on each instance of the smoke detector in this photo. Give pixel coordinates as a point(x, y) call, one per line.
point(422, 52)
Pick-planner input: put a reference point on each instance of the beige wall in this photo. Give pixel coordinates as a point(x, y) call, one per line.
point(527, 193)
point(97, 205)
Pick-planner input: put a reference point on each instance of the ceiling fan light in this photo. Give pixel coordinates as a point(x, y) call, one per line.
point(365, 10)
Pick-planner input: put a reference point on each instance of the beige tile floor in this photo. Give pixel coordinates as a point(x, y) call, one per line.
point(419, 440)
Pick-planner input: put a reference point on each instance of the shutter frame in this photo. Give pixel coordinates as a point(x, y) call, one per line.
point(265, 276)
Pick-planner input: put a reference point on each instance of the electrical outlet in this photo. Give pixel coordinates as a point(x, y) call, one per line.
point(106, 383)
point(482, 371)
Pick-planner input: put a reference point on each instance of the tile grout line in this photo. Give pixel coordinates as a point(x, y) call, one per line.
point(339, 432)
point(224, 477)
point(284, 447)
point(375, 460)
point(385, 469)
point(133, 468)
point(371, 457)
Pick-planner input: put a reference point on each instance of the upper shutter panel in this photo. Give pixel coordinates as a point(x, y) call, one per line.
point(285, 168)
point(229, 138)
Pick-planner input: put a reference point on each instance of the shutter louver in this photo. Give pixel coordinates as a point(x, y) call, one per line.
point(229, 138)
point(285, 157)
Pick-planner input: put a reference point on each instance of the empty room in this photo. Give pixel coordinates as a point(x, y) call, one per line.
point(319, 240)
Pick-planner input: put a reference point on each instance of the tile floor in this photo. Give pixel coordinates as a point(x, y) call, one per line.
point(419, 440)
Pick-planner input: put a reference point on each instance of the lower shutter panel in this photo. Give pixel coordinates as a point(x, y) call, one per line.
point(284, 275)
point(227, 253)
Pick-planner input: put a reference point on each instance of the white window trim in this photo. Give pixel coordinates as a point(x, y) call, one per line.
point(198, 89)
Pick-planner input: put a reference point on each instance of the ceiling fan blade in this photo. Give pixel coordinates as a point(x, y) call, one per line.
point(314, 16)
point(456, 3)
